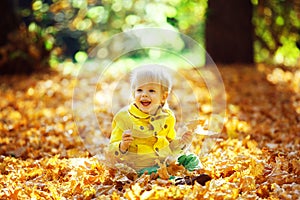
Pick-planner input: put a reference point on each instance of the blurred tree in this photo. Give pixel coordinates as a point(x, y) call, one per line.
point(229, 31)
point(277, 31)
point(80, 25)
point(74, 27)
point(9, 20)
point(21, 50)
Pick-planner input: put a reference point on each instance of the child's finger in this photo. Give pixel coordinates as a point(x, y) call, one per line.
point(127, 139)
point(189, 133)
point(127, 132)
point(127, 136)
point(187, 137)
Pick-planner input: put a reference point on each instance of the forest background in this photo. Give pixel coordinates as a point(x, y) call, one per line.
point(43, 45)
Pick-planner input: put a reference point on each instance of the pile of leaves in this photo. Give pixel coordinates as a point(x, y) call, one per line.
point(256, 155)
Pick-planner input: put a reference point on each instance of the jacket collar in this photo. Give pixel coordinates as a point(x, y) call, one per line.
point(133, 110)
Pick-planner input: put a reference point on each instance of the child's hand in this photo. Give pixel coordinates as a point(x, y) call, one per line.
point(187, 137)
point(126, 140)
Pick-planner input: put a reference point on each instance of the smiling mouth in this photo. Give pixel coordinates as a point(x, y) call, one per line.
point(145, 103)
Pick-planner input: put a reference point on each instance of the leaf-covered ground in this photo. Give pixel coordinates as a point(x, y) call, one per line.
point(256, 156)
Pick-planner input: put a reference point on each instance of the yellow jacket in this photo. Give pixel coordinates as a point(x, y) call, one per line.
point(154, 136)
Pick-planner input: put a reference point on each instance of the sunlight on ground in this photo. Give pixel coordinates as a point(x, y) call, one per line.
point(43, 155)
point(287, 79)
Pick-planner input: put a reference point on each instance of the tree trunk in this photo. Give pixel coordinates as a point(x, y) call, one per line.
point(9, 20)
point(229, 31)
point(21, 51)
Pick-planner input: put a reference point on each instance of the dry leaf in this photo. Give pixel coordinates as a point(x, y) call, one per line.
point(256, 155)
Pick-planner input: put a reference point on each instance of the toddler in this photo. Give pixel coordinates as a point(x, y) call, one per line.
point(144, 131)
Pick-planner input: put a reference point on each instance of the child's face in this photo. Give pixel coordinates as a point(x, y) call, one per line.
point(148, 97)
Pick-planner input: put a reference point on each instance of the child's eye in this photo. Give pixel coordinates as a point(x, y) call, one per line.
point(152, 91)
point(139, 90)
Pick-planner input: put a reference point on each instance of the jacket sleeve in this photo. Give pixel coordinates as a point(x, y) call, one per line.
point(170, 123)
point(177, 147)
point(175, 143)
point(115, 139)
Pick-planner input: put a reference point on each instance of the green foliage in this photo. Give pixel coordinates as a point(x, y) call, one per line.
point(92, 22)
point(87, 23)
point(277, 30)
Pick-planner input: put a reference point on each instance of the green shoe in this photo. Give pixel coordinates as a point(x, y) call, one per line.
point(191, 162)
point(149, 170)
